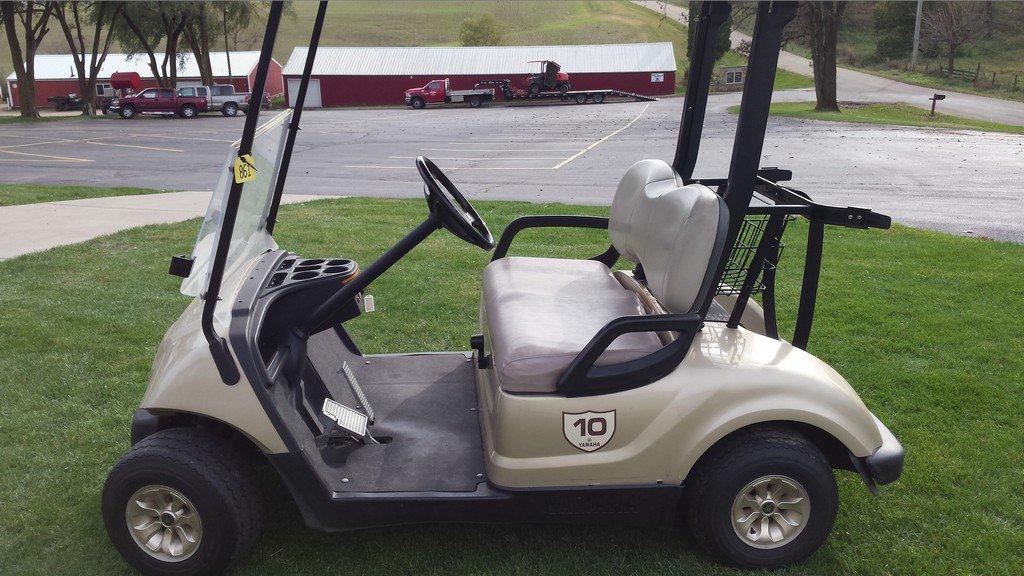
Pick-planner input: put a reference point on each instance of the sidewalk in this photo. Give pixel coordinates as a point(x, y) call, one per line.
point(855, 86)
point(34, 227)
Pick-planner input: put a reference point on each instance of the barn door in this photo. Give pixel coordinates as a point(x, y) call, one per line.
point(312, 93)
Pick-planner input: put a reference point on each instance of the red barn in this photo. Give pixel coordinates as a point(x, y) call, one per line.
point(56, 74)
point(375, 75)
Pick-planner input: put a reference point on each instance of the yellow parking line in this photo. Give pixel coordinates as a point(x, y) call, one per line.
point(452, 168)
point(133, 146)
point(62, 141)
point(47, 156)
point(593, 145)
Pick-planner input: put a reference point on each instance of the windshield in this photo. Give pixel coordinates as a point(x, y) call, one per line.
point(249, 237)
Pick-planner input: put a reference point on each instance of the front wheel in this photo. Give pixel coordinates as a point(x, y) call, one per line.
point(764, 498)
point(563, 87)
point(127, 112)
point(182, 502)
point(418, 103)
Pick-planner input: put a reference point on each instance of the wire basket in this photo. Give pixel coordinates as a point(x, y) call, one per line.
point(750, 236)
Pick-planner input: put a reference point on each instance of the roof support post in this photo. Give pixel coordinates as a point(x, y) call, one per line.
point(698, 83)
point(766, 43)
point(218, 346)
point(293, 126)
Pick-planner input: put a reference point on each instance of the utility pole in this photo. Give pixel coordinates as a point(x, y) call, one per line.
point(917, 35)
point(227, 53)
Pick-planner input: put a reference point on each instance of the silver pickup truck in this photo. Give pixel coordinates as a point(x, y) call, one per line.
point(221, 97)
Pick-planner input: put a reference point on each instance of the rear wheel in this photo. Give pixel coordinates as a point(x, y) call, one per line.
point(187, 111)
point(581, 98)
point(765, 498)
point(417, 103)
point(535, 88)
point(475, 101)
point(229, 109)
point(128, 112)
point(598, 98)
point(182, 502)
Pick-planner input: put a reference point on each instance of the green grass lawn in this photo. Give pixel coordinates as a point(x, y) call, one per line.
point(926, 326)
point(898, 114)
point(12, 194)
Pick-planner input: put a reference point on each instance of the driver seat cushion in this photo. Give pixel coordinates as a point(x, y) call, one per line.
point(541, 312)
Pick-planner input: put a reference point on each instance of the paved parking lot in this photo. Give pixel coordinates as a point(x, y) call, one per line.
point(961, 182)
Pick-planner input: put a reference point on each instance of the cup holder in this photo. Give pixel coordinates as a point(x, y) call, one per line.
point(339, 262)
point(314, 262)
point(335, 269)
point(305, 275)
point(306, 268)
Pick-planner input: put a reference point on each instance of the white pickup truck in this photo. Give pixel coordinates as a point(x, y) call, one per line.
point(220, 97)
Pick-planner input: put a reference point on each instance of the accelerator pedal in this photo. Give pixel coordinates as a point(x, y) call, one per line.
point(352, 421)
point(357, 391)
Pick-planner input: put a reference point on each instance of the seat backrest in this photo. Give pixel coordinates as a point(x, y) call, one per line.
point(670, 229)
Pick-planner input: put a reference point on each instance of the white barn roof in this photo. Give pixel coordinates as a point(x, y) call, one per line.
point(414, 61)
point(62, 66)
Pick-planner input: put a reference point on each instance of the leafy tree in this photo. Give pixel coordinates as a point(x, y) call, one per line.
point(143, 26)
point(482, 30)
point(207, 22)
point(893, 22)
point(32, 18)
point(88, 28)
point(722, 43)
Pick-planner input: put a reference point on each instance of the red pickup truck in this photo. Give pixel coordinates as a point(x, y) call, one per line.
point(440, 92)
point(158, 101)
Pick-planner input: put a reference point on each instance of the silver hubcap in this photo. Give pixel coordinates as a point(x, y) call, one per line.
point(770, 511)
point(163, 523)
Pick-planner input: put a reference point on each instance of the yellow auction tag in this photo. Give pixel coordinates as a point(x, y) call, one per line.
point(245, 169)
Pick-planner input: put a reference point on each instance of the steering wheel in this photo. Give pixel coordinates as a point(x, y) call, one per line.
point(451, 207)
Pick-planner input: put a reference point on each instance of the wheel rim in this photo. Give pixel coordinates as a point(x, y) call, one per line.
point(770, 511)
point(164, 523)
point(188, 112)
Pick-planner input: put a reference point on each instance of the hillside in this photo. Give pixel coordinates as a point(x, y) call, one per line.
point(437, 22)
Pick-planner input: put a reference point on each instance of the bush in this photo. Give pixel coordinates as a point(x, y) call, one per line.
point(480, 30)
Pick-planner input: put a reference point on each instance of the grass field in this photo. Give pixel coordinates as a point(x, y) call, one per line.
point(12, 194)
point(898, 114)
point(924, 325)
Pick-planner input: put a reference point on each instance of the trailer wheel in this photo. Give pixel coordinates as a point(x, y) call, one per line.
point(417, 103)
point(128, 112)
point(598, 98)
point(475, 101)
point(187, 111)
point(581, 98)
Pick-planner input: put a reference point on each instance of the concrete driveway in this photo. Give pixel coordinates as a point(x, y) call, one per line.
point(855, 86)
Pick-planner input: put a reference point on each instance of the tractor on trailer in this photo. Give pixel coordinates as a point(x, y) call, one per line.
point(439, 92)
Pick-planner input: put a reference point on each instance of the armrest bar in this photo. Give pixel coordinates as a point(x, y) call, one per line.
point(583, 378)
point(516, 226)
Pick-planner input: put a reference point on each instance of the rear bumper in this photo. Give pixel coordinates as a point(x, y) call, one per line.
point(886, 464)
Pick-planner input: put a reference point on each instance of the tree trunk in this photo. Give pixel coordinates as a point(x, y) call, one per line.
point(824, 21)
point(950, 57)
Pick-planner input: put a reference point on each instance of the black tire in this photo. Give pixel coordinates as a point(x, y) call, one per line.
point(475, 101)
point(598, 98)
point(563, 87)
point(417, 103)
point(207, 470)
point(534, 88)
point(581, 98)
point(128, 112)
point(229, 109)
point(188, 111)
point(722, 474)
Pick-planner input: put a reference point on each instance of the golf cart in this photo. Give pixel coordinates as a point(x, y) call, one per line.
point(653, 394)
point(550, 78)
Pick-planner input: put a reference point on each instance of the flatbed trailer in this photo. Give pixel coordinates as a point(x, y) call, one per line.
point(516, 96)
